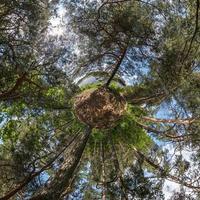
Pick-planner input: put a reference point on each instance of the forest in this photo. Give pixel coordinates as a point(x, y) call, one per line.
point(99, 99)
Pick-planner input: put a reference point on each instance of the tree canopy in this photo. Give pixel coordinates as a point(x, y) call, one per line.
point(99, 99)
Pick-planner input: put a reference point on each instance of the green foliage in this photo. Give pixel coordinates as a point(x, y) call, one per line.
point(114, 85)
point(92, 86)
point(98, 135)
point(191, 97)
point(128, 131)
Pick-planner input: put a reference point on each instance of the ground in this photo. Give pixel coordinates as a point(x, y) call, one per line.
point(99, 108)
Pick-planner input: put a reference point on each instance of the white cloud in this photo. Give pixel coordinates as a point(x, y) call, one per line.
point(169, 188)
point(58, 22)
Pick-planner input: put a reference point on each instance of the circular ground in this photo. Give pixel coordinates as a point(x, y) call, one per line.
point(99, 108)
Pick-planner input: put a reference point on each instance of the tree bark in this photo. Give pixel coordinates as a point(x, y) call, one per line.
point(62, 179)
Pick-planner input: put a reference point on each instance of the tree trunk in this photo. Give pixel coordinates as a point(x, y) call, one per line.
point(62, 179)
point(116, 67)
point(118, 170)
point(103, 173)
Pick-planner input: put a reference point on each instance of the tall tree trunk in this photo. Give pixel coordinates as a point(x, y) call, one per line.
point(103, 173)
point(116, 67)
point(62, 179)
point(118, 170)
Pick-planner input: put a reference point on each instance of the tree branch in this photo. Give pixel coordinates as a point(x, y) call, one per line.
point(18, 83)
point(164, 173)
point(148, 99)
point(195, 31)
point(173, 137)
point(187, 121)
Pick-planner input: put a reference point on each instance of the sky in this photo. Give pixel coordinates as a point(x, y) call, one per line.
point(57, 22)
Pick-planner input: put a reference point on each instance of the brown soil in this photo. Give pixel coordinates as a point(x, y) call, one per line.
point(99, 108)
